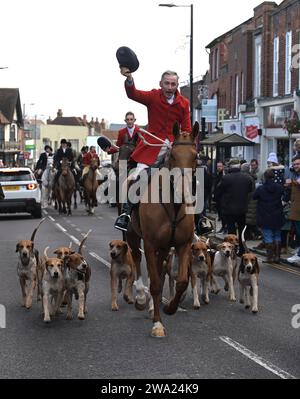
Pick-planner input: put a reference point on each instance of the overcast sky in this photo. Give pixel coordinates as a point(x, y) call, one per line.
point(61, 53)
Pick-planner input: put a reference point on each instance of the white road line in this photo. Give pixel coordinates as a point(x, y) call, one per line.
point(60, 227)
point(74, 239)
point(107, 264)
point(257, 359)
point(45, 212)
point(73, 225)
point(100, 217)
point(78, 229)
point(51, 218)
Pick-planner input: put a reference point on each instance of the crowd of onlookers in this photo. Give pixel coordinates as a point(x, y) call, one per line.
point(267, 202)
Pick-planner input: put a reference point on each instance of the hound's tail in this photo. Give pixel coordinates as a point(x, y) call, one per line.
point(244, 241)
point(83, 241)
point(36, 229)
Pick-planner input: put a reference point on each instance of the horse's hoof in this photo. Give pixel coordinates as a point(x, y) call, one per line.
point(158, 331)
point(169, 310)
point(140, 306)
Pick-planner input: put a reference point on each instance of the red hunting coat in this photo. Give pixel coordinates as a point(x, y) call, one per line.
point(161, 116)
point(122, 138)
point(87, 158)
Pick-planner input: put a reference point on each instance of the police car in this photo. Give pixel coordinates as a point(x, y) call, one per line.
point(21, 190)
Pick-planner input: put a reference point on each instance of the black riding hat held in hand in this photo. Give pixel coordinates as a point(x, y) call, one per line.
point(127, 58)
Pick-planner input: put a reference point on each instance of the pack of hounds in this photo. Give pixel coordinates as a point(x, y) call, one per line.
point(59, 278)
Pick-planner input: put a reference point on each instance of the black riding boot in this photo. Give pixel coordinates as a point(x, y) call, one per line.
point(123, 220)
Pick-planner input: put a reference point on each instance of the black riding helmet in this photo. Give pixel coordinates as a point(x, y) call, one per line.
point(127, 58)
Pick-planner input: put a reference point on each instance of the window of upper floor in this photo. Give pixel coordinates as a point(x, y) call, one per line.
point(288, 62)
point(257, 65)
point(275, 65)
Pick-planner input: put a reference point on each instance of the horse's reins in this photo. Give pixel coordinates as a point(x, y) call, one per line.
point(174, 223)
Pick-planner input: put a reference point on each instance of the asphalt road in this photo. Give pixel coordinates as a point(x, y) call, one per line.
point(221, 340)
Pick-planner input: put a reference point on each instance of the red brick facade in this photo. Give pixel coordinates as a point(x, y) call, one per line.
point(233, 54)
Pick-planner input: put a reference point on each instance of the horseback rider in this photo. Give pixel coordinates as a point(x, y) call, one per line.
point(42, 162)
point(166, 106)
point(87, 158)
point(62, 152)
point(126, 135)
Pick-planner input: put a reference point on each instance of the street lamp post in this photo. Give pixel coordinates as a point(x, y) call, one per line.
point(191, 53)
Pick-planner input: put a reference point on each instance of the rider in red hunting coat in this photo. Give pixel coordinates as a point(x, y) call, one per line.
point(127, 134)
point(166, 106)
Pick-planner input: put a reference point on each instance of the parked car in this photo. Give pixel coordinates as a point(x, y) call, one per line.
point(21, 190)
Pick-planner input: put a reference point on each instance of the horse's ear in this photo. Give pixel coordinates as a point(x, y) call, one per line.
point(195, 131)
point(176, 130)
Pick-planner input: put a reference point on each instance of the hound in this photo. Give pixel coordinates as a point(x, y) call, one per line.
point(248, 279)
point(61, 252)
point(200, 267)
point(77, 277)
point(77, 274)
point(234, 240)
point(122, 267)
point(223, 267)
point(27, 267)
point(52, 286)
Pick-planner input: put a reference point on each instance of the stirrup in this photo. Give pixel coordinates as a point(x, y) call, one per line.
point(122, 226)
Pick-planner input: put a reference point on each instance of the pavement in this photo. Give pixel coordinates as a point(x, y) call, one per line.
point(253, 243)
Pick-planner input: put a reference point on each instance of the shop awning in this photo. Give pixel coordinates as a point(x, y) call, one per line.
point(226, 140)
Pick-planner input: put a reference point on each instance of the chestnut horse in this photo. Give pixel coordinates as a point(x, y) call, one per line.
point(90, 185)
point(64, 188)
point(162, 226)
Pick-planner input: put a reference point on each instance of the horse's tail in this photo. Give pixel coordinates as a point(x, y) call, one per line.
point(83, 241)
point(36, 229)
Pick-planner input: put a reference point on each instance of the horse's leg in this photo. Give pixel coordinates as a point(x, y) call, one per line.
point(158, 330)
point(182, 279)
point(141, 299)
point(75, 198)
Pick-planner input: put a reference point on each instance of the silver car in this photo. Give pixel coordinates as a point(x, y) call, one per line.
point(21, 190)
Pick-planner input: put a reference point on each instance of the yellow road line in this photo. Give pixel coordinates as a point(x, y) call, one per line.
point(286, 269)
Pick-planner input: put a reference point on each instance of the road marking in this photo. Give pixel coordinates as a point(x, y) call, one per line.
point(107, 264)
point(78, 229)
point(286, 269)
point(100, 217)
point(51, 218)
point(74, 239)
point(60, 227)
point(45, 212)
point(257, 359)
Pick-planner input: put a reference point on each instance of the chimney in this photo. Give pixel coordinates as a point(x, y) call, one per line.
point(49, 120)
point(84, 119)
point(59, 113)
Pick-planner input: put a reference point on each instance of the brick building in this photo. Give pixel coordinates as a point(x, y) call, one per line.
point(255, 76)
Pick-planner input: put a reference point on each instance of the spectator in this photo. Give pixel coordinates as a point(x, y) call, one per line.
point(233, 193)
point(279, 170)
point(255, 172)
point(294, 185)
point(252, 232)
point(217, 180)
point(270, 214)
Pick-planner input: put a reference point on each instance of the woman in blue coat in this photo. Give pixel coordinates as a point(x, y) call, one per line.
point(269, 215)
